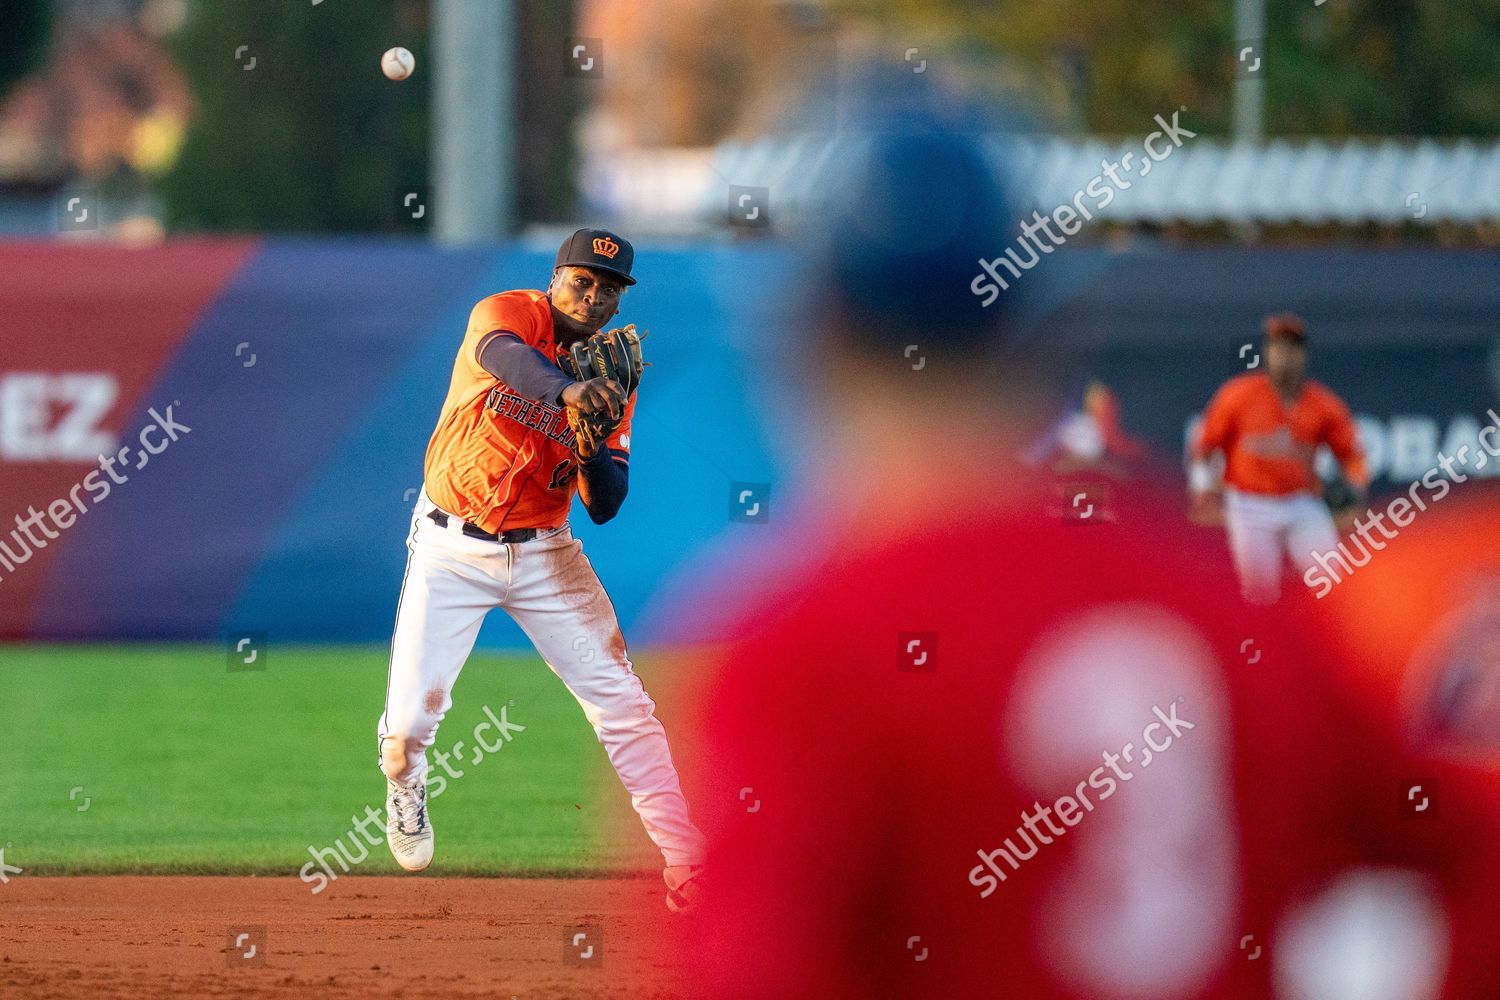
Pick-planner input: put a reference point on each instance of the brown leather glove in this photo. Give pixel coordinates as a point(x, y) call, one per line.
point(614, 355)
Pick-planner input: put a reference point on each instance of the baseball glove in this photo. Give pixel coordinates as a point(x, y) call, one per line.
point(589, 433)
point(1343, 503)
point(612, 354)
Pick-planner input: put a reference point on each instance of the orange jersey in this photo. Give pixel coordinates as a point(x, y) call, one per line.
point(1269, 447)
point(496, 459)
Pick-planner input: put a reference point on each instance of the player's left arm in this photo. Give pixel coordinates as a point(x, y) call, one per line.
point(1342, 437)
point(603, 466)
point(1205, 481)
point(602, 483)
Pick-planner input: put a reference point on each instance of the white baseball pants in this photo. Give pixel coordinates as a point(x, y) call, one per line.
point(549, 587)
point(1264, 529)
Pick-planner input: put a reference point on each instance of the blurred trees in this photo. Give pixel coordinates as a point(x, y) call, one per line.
point(310, 136)
point(105, 107)
point(547, 106)
point(1345, 67)
point(315, 138)
point(1406, 67)
point(25, 26)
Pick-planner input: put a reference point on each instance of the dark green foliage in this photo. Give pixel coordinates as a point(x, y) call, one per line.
point(314, 137)
point(24, 29)
point(1342, 68)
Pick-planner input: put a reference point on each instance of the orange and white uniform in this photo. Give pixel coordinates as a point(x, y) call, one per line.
point(497, 459)
point(503, 464)
point(1272, 494)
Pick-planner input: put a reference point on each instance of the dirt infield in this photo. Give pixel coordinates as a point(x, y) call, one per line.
point(129, 936)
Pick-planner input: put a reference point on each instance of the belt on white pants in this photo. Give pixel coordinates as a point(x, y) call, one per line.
point(514, 536)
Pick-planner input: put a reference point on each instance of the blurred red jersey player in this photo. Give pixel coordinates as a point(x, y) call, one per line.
point(971, 749)
point(1085, 779)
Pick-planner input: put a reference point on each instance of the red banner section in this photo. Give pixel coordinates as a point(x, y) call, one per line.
point(84, 332)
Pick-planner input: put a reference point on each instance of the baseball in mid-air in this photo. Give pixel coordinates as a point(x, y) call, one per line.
point(398, 63)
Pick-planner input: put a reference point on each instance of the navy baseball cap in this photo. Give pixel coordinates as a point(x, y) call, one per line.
point(915, 197)
point(598, 248)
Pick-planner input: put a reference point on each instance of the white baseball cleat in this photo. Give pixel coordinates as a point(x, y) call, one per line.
point(407, 829)
point(684, 887)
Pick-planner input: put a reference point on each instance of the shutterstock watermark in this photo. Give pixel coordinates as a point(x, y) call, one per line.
point(319, 872)
point(63, 512)
point(1339, 563)
point(1069, 217)
point(1070, 809)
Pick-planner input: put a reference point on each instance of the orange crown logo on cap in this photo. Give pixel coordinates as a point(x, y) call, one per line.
point(606, 247)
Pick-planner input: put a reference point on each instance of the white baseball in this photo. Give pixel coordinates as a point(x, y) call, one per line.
point(398, 63)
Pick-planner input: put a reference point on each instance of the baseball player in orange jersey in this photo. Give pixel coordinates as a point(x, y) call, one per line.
point(1269, 427)
point(491, 530)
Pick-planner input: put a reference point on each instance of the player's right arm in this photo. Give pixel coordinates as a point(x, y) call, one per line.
point(1217, 430)
point(1215, 435)
point(491, 318)
point(523, 368)
point(526, 370)
point(501, 342)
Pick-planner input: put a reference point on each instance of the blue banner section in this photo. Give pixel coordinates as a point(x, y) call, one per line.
point(294, 352)
point(312, 382)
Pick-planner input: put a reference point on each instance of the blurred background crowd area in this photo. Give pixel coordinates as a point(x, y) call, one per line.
point(272, 116)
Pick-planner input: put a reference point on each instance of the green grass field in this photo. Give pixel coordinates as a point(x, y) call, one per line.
point(186, 767)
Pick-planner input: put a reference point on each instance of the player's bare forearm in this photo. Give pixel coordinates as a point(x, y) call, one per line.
point(602, 484)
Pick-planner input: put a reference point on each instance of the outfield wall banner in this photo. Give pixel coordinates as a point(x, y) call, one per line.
point(232, 432)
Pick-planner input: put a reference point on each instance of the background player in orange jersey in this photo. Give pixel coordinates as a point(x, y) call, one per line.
point(1269, 427)
point(491, 530)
